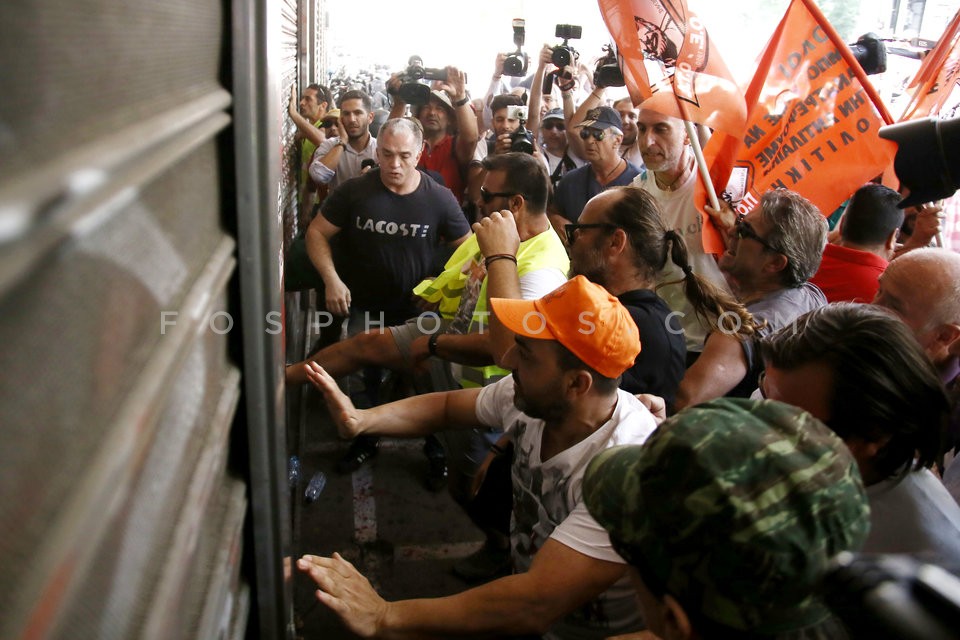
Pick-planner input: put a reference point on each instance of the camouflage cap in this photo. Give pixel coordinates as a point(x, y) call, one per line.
point(734, 507)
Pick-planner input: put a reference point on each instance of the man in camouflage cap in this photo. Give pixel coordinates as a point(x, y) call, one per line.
point(729, 514)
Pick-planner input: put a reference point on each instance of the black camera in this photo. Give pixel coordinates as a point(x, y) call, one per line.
point(517, 62)
point(520, 140)
point(893, 597)
point(412, 91)
point(608, 73)
point(564, 54)
point(928, 157)
point(871, 53)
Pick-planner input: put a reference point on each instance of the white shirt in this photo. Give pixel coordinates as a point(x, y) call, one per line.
point(348, 166)
point(678, 211)
point(548, 500)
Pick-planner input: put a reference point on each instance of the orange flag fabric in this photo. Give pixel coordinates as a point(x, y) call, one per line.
point(664, 40)
point(812, 123)
point(938, 76)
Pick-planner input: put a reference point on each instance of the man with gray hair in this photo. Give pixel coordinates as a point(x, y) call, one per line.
point(771, 253)
point(923, 288)
point(390, 223)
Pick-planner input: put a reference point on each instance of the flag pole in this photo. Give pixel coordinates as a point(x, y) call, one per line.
point(695, 144)
point(701, 163)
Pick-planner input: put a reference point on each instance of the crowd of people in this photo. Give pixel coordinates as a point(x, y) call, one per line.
point(650, 436)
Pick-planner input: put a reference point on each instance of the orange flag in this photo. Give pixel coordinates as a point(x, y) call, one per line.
point(812, 125)
point(938, 75)
point(664, 40)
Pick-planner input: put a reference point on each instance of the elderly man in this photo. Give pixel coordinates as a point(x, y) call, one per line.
point(923, 288)
point(728, 516)
point(601, 132)
point(772, 252)
point(670, 177)
point(562, 407)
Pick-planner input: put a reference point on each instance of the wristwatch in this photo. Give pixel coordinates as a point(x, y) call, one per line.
point(462, 101)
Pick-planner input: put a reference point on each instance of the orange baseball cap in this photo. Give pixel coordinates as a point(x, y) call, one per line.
point(583, 317)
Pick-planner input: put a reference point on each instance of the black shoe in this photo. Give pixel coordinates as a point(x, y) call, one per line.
point(436, 479)
point(359, 452)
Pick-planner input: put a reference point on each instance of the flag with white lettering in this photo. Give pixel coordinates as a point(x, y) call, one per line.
point(938, 78)
point(812, 123)
point(663, 40)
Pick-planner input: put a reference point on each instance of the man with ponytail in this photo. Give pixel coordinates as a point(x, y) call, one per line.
point(621, 243)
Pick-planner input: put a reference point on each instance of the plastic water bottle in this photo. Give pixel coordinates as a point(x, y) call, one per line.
point(315, 486)
point(293, 472)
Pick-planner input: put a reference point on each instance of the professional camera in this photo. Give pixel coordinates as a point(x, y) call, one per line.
point(412, 91)
point(608, 73)
point(871, 53)
point(893, 597)
point(516, 63)
point(521, 139)
point(928, 157)
point(564, 54)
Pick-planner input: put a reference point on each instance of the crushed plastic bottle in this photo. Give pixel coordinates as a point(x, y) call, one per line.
point(293, 472)
point(315, 486)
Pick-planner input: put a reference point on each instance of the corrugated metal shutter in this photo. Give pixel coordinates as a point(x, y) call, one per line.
point(119, 314)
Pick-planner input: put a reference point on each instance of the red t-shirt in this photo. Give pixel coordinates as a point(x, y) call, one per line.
point(849, 275)
point(442, 158)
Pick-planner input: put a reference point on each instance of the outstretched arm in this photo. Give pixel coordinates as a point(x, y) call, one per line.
point(719, 369)
point(559, 580)
point(411, 417)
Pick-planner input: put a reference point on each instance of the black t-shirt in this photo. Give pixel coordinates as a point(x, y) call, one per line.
point(661, 363)
point(388, 242)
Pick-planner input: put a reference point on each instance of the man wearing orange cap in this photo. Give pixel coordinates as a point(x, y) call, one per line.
point(562, 406)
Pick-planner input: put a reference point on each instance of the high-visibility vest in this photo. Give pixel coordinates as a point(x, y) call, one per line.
point(544, 250)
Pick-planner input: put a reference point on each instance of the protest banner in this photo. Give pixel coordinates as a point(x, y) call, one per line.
point(670, 63)
point(812, 123)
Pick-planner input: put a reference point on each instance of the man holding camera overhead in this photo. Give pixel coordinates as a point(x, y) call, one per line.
point(601, 132)
point(449, 125)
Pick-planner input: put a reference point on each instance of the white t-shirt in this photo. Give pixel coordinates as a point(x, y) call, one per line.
point(678, 212)
point(348, 166)
point(548, 502)
point(917, 516)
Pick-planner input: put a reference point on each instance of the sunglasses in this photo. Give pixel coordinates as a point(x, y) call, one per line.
point(571, 229)
point(744, 230)
point(597, 134)
point(554, 125)
point(488, 196)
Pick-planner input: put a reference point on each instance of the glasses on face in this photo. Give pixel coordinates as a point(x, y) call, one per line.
point(488, 196)
point(744, 230)
point(554, 125)
point(571, 229)
point(597, 134)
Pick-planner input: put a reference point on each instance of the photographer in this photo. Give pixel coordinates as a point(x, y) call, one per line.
point(549, 126)
point(449, 128)
point(500, 140)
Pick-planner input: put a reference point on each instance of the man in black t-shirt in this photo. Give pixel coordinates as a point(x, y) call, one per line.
point(390, 224)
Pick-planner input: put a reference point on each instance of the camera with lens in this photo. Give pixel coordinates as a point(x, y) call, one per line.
point(412, 91)
point(520, 140)
point(517, 62)
point(564, 54)
point(871, 53)
point(608, 73)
